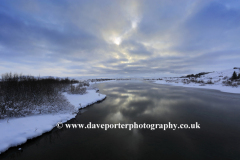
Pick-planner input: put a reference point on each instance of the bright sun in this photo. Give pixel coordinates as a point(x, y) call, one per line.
point(117, 40)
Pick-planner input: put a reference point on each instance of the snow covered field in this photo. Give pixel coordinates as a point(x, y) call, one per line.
point(16, 131)
point(217, 78)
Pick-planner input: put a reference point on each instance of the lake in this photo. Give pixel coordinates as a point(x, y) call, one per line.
point(142, 102)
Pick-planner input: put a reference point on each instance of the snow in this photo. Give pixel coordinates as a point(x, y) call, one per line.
point(16, 131)
point(85, 99)
point(216, 77)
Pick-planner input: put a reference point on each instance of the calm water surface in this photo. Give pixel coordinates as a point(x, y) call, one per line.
point(142, 102)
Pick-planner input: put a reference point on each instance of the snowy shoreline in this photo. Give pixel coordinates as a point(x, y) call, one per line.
point(226, 89)
point(16, 131)
point(217, 79)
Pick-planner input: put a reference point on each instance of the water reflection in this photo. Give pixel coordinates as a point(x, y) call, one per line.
point(142, 102)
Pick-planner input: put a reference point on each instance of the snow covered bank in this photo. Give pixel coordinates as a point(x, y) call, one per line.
point(16, 131)
point(101, 82)
point(216, 78)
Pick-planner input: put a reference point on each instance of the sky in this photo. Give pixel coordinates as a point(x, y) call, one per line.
point(118, 38)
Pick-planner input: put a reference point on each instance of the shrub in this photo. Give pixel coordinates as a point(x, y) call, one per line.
point(22, 95)
point(209, 82)
point(77, 89)
point(227, 83)
point(235, 85)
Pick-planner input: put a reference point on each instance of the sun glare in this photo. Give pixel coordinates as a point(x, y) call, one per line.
point(117, 40)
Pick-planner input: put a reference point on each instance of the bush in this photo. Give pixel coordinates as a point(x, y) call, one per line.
point(209, 82)
point(227, 83)
point(185, 81)
point(77, 89)
point(22, 95)
point(235, 85)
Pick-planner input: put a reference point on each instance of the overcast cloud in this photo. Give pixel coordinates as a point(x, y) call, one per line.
point(109, 38)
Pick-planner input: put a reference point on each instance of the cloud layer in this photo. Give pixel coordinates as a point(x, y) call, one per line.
point(118, 38)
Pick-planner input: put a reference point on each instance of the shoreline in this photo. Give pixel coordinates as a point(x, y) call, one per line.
point(16, 131)
point(225, 89)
